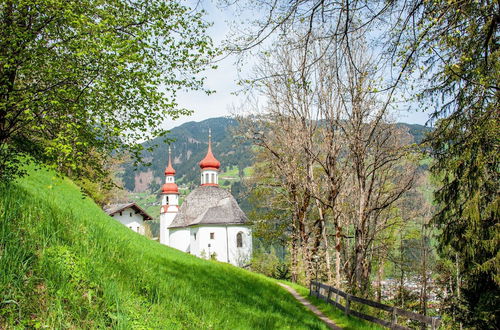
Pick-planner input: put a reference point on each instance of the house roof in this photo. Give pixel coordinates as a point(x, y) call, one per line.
point(209, 205)
point(116, 208)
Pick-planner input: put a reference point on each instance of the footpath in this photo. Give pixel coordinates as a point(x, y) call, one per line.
point(311, 307)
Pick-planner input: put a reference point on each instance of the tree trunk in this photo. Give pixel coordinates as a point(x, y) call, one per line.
point(294, 259)
point(337, 256)
point(380, 275)
point(325, 242)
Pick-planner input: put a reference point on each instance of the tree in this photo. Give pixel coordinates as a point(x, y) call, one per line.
point(454, 48)
point(465, 147)
point(79, 78)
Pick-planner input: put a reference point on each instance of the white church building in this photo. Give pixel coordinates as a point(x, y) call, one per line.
point(209, 223)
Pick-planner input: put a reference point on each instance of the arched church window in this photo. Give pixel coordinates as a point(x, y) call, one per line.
point(213, 178)
point(206, 178)
point(239, 239)
point(167, 199)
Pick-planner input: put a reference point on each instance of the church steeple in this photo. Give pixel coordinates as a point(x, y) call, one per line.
point(169, 201)
point(209, 166)
point(169, 170)
point(169, 188)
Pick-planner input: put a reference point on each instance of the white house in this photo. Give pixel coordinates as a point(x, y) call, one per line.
point(209, 222)
point(130, 215)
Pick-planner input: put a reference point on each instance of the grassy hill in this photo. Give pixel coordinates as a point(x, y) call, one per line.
point(66, 264)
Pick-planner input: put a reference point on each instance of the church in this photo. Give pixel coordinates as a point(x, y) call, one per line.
point(209, 223)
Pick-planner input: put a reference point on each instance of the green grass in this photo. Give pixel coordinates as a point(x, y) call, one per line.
point(145, 200)
point(232, 173)
point(66, 264)
point(335, 314)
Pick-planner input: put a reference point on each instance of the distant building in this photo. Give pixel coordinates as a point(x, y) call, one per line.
point(130, 215)
point(210, 222)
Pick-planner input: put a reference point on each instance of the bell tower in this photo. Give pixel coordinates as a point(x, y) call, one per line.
point(209, 166)
point(169, 201)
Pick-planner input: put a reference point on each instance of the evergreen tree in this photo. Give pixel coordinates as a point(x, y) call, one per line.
point(465, 146)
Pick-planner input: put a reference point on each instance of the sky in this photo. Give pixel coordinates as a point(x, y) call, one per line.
point(223, 81)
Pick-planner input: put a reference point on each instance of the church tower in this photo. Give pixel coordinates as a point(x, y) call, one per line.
point(209, 166)
point(169, 201)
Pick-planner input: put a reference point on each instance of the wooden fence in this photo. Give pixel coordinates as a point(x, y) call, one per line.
point(326, 293)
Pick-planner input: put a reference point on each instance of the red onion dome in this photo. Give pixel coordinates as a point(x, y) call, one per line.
point(209, 162)
point(169, 170)
point(170, 188)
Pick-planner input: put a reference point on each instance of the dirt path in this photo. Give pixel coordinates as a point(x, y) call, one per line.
point(311, 307)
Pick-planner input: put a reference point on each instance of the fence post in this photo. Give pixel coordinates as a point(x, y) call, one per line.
point(394, 318)
point(347, 304)
point(433, 323)
point(329, 293)
point(310, 288)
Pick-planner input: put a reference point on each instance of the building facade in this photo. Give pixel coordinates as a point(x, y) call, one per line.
point(130, 215)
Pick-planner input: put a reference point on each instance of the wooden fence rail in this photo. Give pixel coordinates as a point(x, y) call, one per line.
point(327, 295)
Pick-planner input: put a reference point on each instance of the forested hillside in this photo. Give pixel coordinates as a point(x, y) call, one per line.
point(190, 146)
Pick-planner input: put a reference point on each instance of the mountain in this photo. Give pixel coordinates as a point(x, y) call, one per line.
point(64, 263)
point(190, 147)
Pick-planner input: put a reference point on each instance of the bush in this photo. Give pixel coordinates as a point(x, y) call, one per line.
point(269, 264)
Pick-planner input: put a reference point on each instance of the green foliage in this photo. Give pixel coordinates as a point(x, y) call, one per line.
point(65, 264)
point(80, 78)
point(265, 262)
point(465, 147)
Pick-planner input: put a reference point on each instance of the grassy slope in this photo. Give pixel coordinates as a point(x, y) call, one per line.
point(64, 263)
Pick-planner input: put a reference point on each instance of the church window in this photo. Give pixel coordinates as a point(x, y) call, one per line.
point(167, 199)
point(195, 236)
point(212, 235)
point(239, 239)
point(207, 178)
point(130, 213)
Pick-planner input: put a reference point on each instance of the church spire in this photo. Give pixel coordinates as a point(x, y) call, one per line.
point(170, 187)
point(169, 170)
point(209, 166)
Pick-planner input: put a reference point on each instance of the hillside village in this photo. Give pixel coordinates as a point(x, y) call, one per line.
point(249, 165)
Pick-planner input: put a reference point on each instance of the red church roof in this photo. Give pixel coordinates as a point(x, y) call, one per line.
point(209, 162)
point(169, 170)
point(170, 188)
